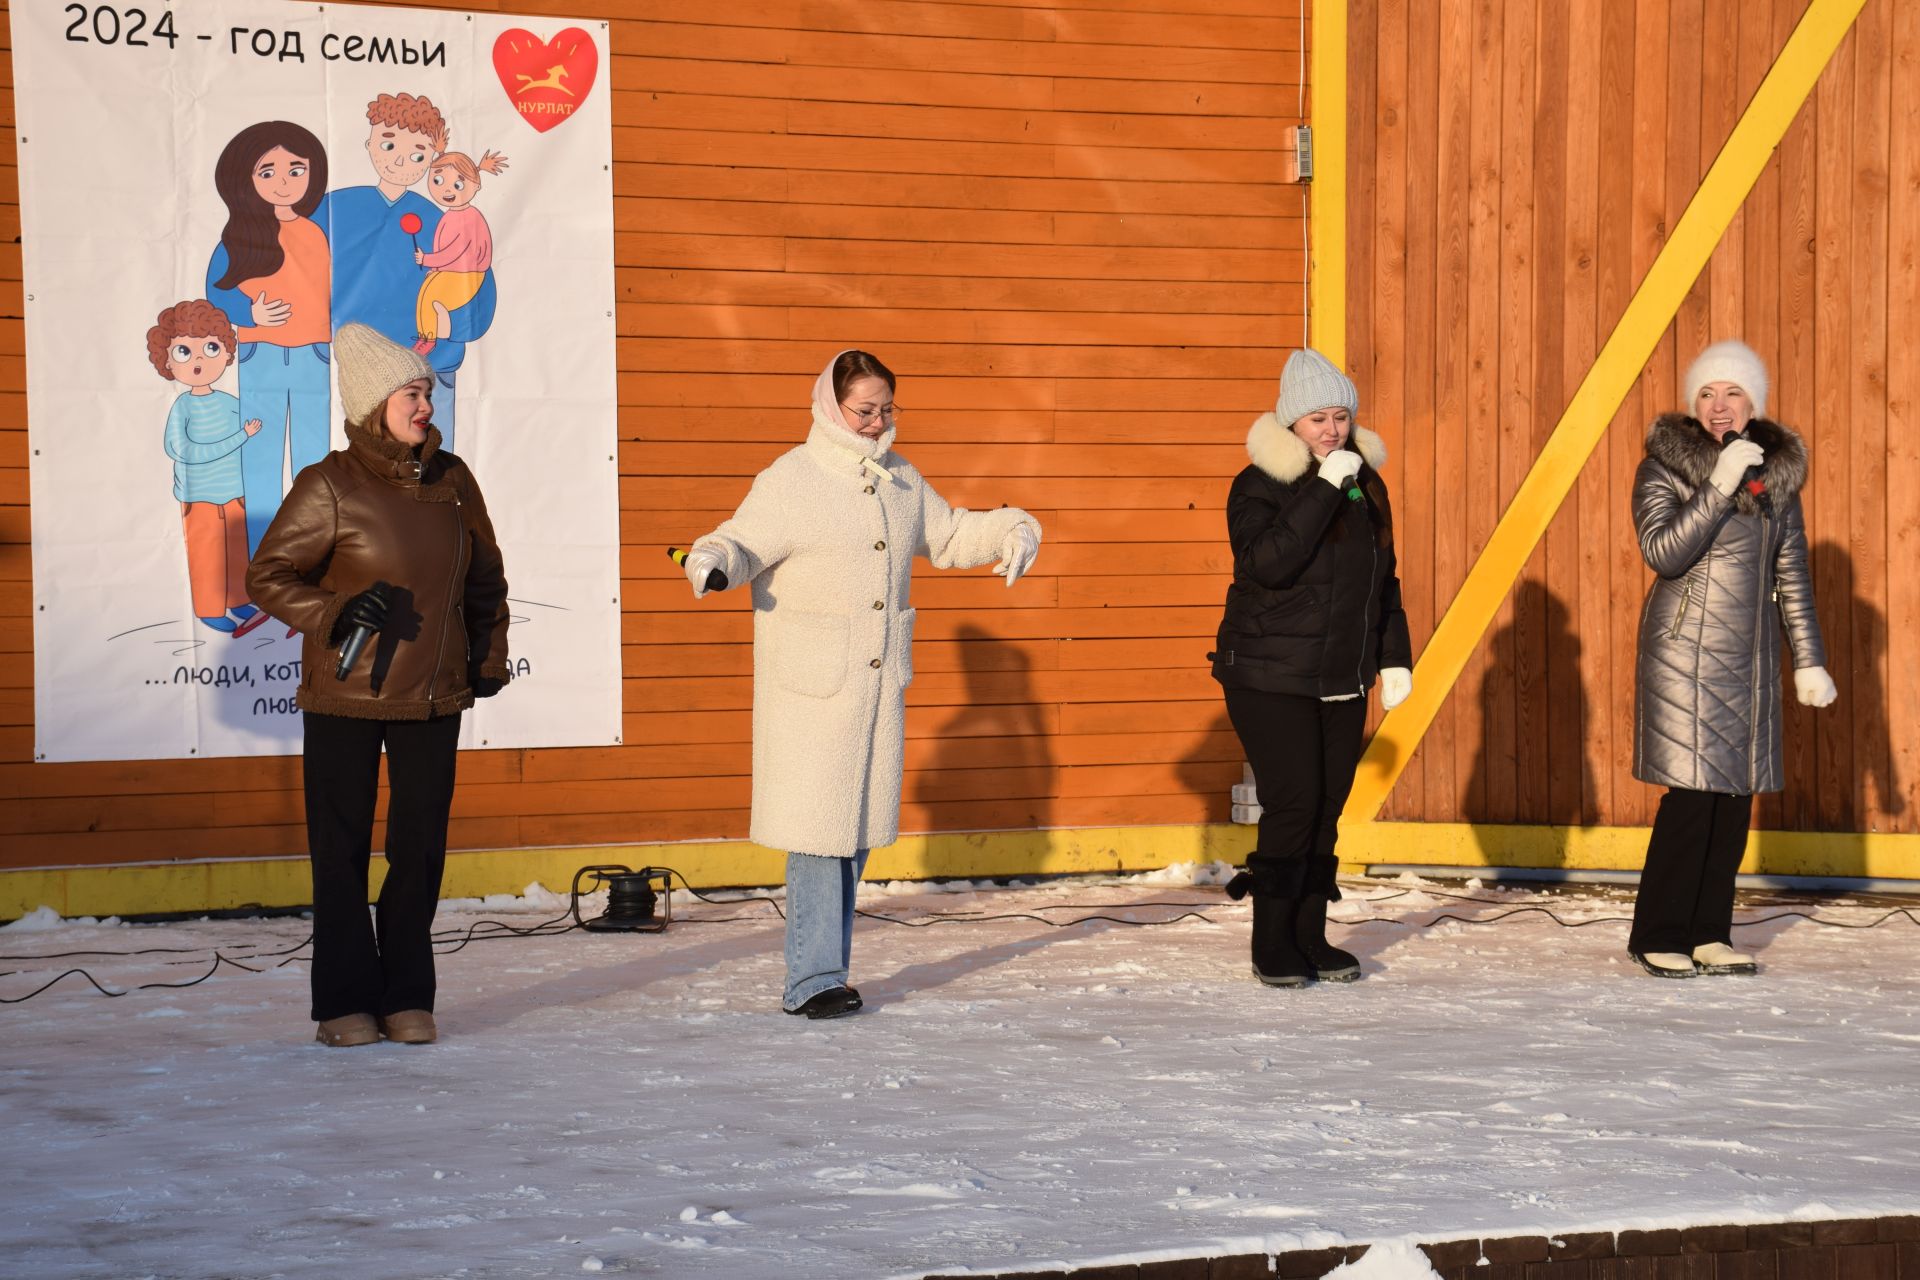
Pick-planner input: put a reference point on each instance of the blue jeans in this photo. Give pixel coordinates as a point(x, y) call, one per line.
point(819, 923)
point(286, 388)
point(443, 407)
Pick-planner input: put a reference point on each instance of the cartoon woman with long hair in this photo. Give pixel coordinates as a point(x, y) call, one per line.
point(272, 274)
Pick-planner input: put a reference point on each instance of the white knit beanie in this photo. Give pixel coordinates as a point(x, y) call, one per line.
point(1730, 361)
point(1311, 382)
point(371, 368)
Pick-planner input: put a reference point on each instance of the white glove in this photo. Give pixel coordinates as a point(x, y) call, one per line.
point(1339, 468)
point(1017, 552)
point(1396, 686)
point(699, 563)
point(1814, 687)
point(1731, 468)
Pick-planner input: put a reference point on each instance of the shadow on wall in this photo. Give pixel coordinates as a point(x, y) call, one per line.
point(994, 751)
point(1210, 770)
point(1494, 789)
point(1841, 775)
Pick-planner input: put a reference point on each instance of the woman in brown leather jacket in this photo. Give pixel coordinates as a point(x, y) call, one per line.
point(389, 509)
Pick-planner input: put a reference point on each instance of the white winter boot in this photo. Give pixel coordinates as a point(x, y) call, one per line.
point(1718, 957)
point(1664, 964)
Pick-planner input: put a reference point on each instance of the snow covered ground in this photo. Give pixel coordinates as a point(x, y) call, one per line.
point(1014, 1095)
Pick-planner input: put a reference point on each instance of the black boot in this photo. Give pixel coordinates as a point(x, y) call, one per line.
point(1275, 886)
point(1330, 963)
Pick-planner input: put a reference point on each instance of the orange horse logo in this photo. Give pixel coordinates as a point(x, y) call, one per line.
point(554, 79)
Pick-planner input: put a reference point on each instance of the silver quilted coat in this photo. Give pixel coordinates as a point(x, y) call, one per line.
point(1732, 576)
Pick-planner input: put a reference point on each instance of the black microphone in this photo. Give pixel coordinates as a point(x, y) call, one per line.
point(357, 638)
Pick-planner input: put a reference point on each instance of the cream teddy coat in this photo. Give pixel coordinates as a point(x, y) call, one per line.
point(827, 537)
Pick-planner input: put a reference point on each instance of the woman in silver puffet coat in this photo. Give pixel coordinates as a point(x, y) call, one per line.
point(1716, 506)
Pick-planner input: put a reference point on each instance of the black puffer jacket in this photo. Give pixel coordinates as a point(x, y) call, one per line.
point(1314, 608)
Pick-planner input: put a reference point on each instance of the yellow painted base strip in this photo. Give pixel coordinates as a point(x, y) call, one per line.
point(1327, 195)
point(231, 884)
point(193, 887)
point(1779, 853)
point(1653, 307)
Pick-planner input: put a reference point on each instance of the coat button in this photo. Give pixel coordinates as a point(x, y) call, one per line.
point(875, 663)
point(869, 488)
point(879, 604)
point(880, 546)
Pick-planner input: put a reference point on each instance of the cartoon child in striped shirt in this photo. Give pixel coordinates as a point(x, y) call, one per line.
point(192, 342)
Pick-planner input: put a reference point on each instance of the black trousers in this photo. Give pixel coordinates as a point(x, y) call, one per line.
point(1686, 889)
point(385, 964)
point(1304, 753)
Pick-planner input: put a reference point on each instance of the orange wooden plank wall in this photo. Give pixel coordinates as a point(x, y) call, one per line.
point(1058, 220)
point(1514, 168)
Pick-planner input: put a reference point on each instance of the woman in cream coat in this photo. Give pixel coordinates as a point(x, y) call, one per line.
point(827, 537)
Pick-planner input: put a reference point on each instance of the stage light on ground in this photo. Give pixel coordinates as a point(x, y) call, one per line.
point(631, 899)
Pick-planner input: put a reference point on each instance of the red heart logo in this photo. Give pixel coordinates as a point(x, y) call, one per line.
point(546, 80)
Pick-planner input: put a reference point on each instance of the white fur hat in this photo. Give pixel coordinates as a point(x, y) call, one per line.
point(371, 368)
point(1730, 361)
point(1311, 382)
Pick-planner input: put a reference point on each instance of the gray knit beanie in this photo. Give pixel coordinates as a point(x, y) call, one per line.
point(1311, 382)
point(371, 368)
point(1730, 361)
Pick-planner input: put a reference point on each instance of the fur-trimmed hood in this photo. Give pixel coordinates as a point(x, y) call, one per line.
point(1681, 444)
point(1285, 457)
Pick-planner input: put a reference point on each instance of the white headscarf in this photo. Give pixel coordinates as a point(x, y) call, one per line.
point(827, 416)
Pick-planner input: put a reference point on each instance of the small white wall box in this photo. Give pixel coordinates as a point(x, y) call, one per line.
point(1296, 158)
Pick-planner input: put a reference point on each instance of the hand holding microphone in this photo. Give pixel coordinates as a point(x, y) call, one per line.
point(365, 614)
point(702, 568)
point(1739, 456)
point(1339, 469)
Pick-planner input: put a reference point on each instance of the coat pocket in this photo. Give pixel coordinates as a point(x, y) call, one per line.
point(810, 653)
point(1680, 615)
point(900, 646)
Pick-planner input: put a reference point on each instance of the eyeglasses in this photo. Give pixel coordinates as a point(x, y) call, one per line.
point(890, 412)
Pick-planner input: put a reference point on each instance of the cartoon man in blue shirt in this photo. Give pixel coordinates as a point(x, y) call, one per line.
point(375, 232)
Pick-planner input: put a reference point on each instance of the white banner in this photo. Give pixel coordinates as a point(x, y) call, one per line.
point(277, 161)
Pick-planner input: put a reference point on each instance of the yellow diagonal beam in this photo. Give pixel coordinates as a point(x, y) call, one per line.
point(1792, 77)
point(1327, 196)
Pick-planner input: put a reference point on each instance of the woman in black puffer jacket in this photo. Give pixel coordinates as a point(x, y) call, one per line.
point(1312, 617)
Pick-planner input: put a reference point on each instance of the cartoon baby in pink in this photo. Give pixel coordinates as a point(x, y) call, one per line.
point(462, 243)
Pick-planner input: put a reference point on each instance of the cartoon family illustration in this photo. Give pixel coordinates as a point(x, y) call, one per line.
point(294, 261)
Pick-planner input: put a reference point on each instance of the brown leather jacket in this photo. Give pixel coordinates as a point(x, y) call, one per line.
point(374, 512)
